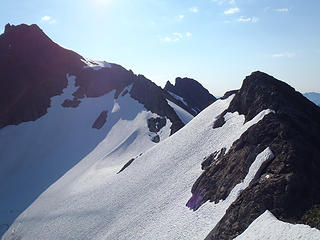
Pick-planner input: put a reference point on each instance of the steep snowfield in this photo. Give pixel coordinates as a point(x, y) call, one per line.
point(268, 227)
point(182, 114)
point(36, 154)
point(95, 65)
point(145, 201)
point(181, 99)
point(313, 97)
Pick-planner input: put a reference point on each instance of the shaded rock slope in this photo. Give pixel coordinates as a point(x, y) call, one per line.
point(288, 184)
point(195, 95)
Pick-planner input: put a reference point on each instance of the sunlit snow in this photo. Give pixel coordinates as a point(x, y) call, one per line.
point(148, 199)
point(36, 154)
point(95, 65)
point(268, 227)
point(184, 116)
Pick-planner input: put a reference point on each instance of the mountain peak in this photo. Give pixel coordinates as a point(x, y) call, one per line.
point(10, 27)
point(188, 88)
point(260, 91)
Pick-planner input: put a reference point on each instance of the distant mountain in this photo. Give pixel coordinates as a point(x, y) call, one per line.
point(313, 97)
point(191, 92)
point(57, 106)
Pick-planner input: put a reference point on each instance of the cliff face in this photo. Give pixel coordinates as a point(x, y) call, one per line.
point(195, 95)
point(32, 70)
point(286, 185)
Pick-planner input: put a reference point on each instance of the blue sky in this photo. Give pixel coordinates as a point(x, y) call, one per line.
point(217, 42)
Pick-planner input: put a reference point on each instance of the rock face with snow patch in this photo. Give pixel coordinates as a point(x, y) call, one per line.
point(195, 95)
point(33, 69)
point(286, 185)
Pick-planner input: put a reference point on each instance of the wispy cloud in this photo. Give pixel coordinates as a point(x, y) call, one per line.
point(181, 16)
point(231, 11)
point(248, 19)
point(284, 54)
point(221, 2)
point(176, 36)
point(48, 19)
point(282, 10)
point(266, 9)
point(167, 39)
point(194, 9)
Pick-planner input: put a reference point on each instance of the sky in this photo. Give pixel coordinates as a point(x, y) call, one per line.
point(217, 42)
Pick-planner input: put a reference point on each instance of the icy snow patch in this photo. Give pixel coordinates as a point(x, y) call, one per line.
point(148, 199)
point(268, 227)
point(181, 99)
point(313, 97)
point(116, 107)
point(95, 65)
point(254, 168)
point(184, 116)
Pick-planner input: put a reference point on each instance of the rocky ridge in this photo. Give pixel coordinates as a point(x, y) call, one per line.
point(287, 185)
point(33, 69)
point(195, 95)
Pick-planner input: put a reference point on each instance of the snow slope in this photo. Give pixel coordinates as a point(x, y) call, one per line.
point(268, 227)
point(36, 154)
point(145, 201)
point(95, 65)
point(313, 97)
point(184, 116)
point(181, 99)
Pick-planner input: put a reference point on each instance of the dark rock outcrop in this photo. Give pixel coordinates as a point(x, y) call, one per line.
point(101, 120)
point(71, 103)
point(153, 98)
point(126, 165)
point(196, 96)
point(287, 185)
point(155, 124)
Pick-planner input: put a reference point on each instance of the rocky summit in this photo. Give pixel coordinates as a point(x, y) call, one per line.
point(286, 185)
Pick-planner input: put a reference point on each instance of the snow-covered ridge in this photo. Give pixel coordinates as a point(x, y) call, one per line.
point(184, 116)
point(95, 65)
point(313, 97)
point(268, 227)
point(181, 99)
point(148, 199)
